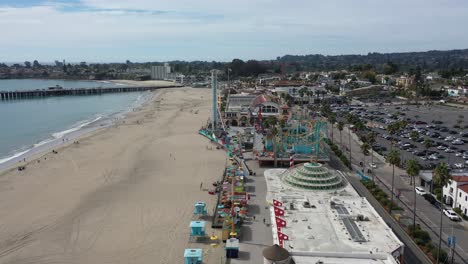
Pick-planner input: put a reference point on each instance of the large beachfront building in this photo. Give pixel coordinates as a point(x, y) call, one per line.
point(242, 109)
point(320, 218)
point(160, 72)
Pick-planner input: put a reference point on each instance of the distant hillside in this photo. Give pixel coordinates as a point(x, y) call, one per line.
point(429, 61)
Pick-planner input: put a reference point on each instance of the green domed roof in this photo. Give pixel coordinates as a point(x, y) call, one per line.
point(313, 176)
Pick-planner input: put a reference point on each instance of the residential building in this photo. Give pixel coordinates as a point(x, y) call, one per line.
point(455, 193)
point(404, 81)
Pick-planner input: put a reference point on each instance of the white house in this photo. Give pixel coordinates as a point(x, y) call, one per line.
point(456, 193)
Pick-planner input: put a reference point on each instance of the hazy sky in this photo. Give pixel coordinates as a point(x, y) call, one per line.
point(155, 30)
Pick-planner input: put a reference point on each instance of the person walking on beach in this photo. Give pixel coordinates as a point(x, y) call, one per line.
point(201, 185)
point(264, 220)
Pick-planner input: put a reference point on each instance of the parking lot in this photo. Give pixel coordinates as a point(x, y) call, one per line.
point(435, 123)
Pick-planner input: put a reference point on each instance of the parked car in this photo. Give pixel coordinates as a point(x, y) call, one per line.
point(458, 154)
point(420, 190)
point(449, 138)
point(448, 150)
point(451, 214)
point(458, 166)
point(458, 142)
point(430, 198)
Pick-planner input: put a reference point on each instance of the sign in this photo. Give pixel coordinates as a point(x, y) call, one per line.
point(451, 241)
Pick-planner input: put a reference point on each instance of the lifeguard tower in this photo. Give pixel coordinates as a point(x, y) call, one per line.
point(193, 256)
point(197, 229)
point(200, 209)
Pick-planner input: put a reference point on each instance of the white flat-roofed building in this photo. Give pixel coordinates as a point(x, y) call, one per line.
point(326, 220)
point(160, 72)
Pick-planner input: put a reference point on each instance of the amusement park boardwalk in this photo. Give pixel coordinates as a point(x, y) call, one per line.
point(255, 235)
point(123, 195)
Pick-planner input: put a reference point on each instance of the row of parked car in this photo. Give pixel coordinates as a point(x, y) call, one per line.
point(431, 199)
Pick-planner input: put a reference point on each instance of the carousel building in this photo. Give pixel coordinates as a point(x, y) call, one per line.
point(318, 217)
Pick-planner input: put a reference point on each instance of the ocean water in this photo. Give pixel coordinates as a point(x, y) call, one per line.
point(33, 84)
point(32, 123)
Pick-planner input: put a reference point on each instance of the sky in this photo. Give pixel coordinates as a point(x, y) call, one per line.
point(156, 30)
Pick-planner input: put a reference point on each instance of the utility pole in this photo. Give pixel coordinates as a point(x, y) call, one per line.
point(214, 85)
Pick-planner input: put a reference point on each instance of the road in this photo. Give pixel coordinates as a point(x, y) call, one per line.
point(428, 216)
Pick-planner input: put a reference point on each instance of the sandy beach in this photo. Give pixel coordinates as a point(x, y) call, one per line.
point(122, 195)
point(144, 83)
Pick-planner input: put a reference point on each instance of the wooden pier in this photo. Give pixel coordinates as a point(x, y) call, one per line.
point(43, 93)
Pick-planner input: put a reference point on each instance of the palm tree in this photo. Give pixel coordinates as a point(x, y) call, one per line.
point(413, 169)
point(274, 134)
point(414, 135)
point(392, 130)
point(340, 128)
point(393, 158)
point(427, 145)
point(441, 177)
point(332, 120)
point(365, 151)
point(371, 139)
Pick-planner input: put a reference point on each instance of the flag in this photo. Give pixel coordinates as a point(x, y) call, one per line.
point(283, 236)
point(278, 228)
point(278, 211)
point(280, 222)
point(277, 203)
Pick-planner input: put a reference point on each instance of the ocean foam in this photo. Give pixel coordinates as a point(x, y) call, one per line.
point(76, 128)
point(14, 156)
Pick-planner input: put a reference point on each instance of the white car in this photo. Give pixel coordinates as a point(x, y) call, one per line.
point(449, 150)
point(433, 157)
point(458, 154)
point(451, 214)
point(459, 165)
point(420, 191)
point(458, 142)
point(441, 147)
point(449, 138)
point(373, 165)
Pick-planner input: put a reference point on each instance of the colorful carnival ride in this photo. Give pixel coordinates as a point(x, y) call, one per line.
point(306, 139)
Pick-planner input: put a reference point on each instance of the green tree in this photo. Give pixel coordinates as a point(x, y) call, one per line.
point(441, 177)
point(365, 151)
point(371, 137)
point(274, 138)
point(394, 159)
point(414, 135)
point(270, 121)
point(413, 169)
point(340, 126)
point(392, 129)
point(427, 145)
